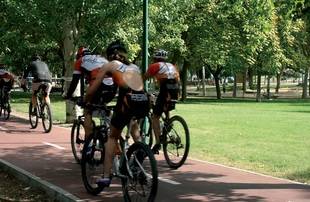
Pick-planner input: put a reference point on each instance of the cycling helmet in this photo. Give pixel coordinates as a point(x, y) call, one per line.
point(115, 47)
point(160, 54)
point(35, 57)
point(82, 51)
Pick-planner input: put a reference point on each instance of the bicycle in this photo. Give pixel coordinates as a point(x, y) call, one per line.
point(5, 106)
point(135, 165)
point(175, 137)
point(78, 132)
point(42, 110)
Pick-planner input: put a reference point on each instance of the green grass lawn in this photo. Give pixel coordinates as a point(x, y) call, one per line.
point(271, 137)
point(20, 102)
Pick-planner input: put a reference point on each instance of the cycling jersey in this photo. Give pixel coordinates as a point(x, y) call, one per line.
point(163, 70)
point(168, 76)
point(90, 65)
point(39, 71)
point(6, 76)
point(132, 100)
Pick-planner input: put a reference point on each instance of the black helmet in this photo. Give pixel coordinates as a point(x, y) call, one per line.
point(160, 54)
point(82, 51)
point(114, 47)
point(35, 57)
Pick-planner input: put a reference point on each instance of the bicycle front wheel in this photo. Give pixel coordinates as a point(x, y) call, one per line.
point(33, 116)
point(177, 141)
point(77, 139)
point(47, 118)
point(141, 182)
point(92, 164)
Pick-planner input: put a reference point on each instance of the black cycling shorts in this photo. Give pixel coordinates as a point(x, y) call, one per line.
point(129, 104)
point(105, 94)
point(169, 89)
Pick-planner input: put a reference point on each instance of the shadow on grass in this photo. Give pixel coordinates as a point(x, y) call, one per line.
point(300, 175)
point(199, 100)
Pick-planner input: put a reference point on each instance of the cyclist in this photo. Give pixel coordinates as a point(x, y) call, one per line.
point(41, 76)
point(168, 78)
point(6, 81)
point(132, 100)
point(87, 65)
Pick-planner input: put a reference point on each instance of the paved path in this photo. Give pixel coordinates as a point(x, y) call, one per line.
point(49, 157)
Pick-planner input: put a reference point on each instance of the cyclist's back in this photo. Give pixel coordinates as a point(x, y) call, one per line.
point(41, 76)
point(6, 78)
point(87, 66)
point(40, 71)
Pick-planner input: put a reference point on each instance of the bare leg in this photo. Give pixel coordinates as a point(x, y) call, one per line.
point(135, 133)
point(156, 127)
point(34, 100)
point(88, 124)
point(47, 100)
point(109, 150)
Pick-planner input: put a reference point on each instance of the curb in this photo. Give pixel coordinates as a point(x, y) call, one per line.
point(54, 192)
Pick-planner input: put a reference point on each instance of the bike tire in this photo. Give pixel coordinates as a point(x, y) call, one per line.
point(89, 160)
point(174, 141)
point(134, 187)
point(33, 119)
point(1, 109)
point(7, 110)
point(47, 120)
point(146, 131)
point(77, 140)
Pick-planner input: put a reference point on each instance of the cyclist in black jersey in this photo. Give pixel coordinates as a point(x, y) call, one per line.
point(41, 76)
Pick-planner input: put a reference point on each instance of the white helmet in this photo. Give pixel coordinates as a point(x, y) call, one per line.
point(160, 54)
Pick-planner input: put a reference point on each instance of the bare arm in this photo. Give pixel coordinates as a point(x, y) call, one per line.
point(91, 90)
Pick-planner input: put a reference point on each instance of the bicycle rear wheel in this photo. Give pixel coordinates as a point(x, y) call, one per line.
point(146, 131)
point(46, 118)
point(33, 116)
point(5, 108)
point(77, 139)
point(92, 164)
point(177, 141)
point(143, 183)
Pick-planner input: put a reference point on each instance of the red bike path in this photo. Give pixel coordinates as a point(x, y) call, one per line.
point(49, 157)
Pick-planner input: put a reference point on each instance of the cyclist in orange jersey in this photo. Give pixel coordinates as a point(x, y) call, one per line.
point(168, 78)
point(132, 100)
point(87, 66)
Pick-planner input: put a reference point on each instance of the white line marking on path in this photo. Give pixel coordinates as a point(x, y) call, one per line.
point(2, 128)
point(248, 171)
point(169, 181)
point(54, 145)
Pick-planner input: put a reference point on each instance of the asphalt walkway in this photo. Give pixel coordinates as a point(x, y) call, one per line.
point(48, 157)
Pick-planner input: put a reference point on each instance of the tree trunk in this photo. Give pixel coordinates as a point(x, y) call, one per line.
point(278, 82)
point(203, 81)
point(244, 82)
point(258, 87)
point(184, 79)
point(235, 86)
point(305, 84)
point(268, 86)
point(251, 80)
point(216, 75)
point(217, 85)
point(68, 51)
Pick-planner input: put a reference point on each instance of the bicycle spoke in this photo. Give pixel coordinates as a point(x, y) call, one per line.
point(176, 147)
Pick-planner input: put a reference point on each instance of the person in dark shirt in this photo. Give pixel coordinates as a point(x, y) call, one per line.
point(41, 76)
